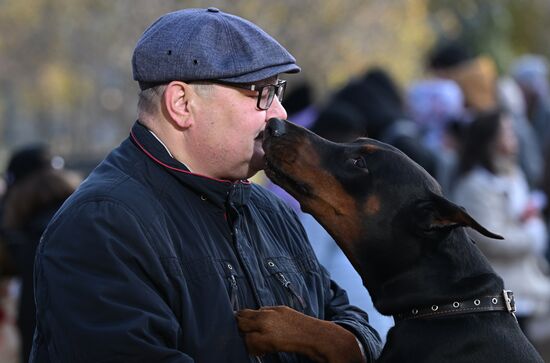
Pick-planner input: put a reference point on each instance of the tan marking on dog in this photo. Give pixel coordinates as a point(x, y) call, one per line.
point(333, 206)
point(372, 206)
point(368, 148)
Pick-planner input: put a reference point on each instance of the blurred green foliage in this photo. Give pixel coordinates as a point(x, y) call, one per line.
point(502, 29)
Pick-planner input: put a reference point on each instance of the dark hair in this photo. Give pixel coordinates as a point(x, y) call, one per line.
point(380, 79)
point(448, 54)
point(478, 141)
point(339, 121)
point(377, 97)
point(298, 98)
point(40, 191)
point(26, 161)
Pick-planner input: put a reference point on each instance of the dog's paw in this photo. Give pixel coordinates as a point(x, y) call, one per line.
point(282, 329)
point(270, 329)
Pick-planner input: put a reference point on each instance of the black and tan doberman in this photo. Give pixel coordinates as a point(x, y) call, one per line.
point(408, 244)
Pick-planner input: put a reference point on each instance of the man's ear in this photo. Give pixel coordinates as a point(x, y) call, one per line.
point(175, 102)
point(438, 213)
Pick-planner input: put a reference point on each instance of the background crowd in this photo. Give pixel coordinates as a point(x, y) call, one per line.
point(480, 129)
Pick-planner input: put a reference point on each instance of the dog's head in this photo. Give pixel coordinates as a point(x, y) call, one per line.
point(370, 197)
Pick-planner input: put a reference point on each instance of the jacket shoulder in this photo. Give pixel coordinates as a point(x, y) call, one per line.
point(115, 182)
point(115, 186)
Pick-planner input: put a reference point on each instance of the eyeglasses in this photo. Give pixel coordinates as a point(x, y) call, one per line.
point(266, 93)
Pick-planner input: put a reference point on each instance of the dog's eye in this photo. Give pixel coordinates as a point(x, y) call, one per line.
point(358, 163)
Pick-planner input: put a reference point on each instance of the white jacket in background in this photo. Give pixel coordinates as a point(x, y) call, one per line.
point(496, 202)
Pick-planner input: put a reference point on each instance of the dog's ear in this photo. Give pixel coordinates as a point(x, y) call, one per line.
point(439, 214)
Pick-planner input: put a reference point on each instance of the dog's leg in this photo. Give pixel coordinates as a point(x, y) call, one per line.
point(282, 329)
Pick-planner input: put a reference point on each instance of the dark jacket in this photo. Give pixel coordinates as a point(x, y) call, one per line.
point(146, 262)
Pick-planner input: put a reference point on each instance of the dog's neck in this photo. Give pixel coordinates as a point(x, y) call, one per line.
point(454, 269)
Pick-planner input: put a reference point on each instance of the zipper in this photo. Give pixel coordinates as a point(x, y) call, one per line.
point(232, 217)
point(234, 293)
point(234, 301)
point(234, 231)
point(234, 298)
point(290, 288)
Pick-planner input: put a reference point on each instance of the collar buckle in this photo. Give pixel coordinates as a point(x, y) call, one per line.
point(509, 301)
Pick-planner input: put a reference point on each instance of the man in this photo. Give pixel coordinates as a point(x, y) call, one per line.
point(149, 260)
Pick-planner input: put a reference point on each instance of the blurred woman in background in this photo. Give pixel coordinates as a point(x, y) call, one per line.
point(493, 189)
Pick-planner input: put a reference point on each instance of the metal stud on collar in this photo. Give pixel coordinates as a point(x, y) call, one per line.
point(477, 302)
point(435, 307)
point(456, 305)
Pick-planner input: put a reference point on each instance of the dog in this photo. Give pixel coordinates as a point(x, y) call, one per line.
point(407, 242)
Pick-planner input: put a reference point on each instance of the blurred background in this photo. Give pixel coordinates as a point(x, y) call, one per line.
point(423, 75)
point(65, 73)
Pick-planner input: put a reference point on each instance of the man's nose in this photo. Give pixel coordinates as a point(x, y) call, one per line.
point(276, 110)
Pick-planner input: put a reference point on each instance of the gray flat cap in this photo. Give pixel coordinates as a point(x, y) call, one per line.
point(207, 44)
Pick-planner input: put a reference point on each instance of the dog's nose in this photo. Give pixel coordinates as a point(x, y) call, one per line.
point(276, 127)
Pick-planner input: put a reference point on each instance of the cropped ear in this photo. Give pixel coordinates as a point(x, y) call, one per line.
point(441, 214)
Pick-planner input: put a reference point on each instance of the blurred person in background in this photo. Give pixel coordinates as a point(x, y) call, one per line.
point(475, 74)
point(493, 189)
point(37, 185)
point(484, 91)
point(379, 101)
point(10, 341)
point(339, 121)
point(546, 189)
point(530, 152)
point(437, 106)
point(531, 73)
point(300, 105)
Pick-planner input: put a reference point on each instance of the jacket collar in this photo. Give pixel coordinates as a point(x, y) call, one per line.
point(218, 191)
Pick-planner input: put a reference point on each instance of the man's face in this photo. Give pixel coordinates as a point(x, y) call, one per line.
point(226, 139)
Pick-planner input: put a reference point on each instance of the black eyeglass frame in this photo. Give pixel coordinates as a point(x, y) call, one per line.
point(273, 90)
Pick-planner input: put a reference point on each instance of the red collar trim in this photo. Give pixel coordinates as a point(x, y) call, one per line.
point(180, 170)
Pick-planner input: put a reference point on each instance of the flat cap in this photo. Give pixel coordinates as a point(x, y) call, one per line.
point(207, 44)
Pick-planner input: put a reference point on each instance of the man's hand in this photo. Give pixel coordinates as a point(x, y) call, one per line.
point(282, 329)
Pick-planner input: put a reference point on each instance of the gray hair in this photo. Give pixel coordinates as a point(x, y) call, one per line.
point(149, 99)
point(148, 102)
